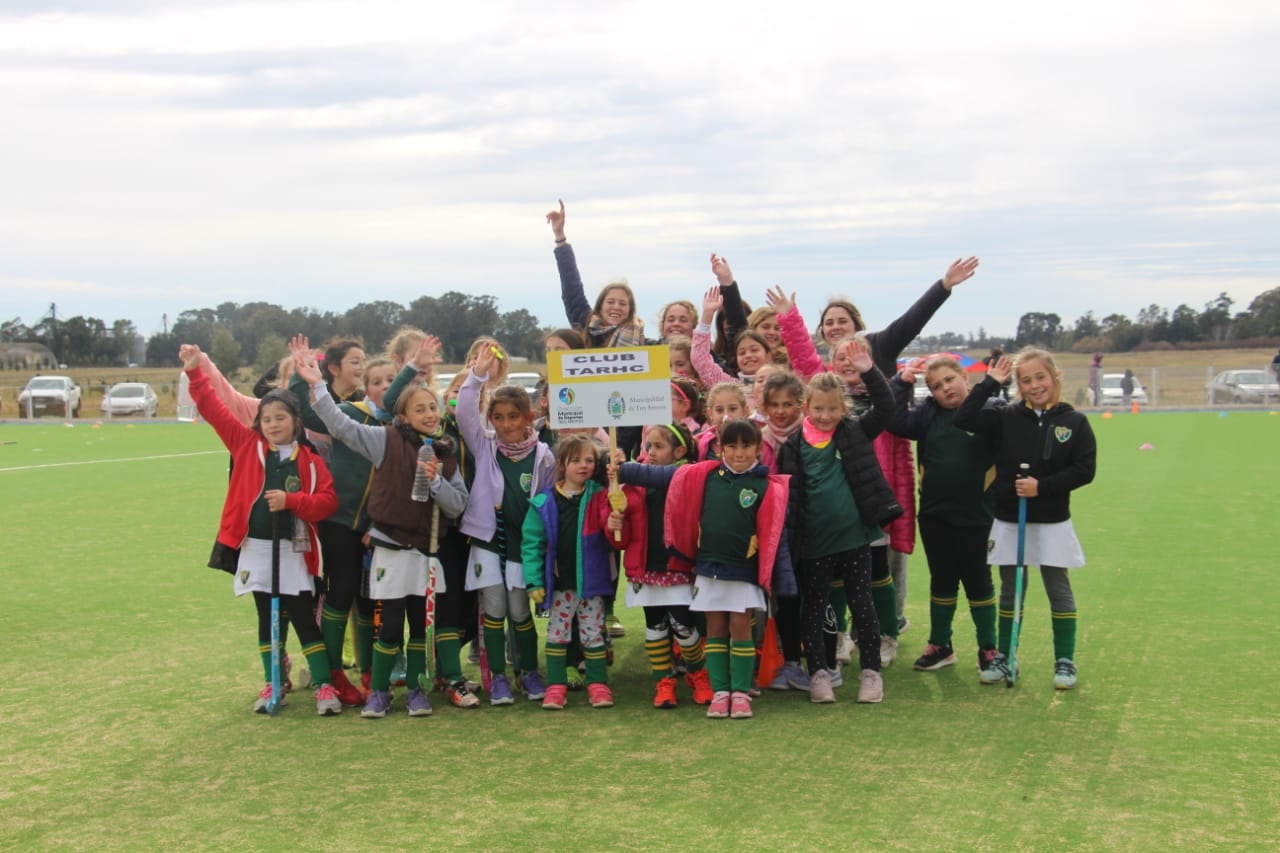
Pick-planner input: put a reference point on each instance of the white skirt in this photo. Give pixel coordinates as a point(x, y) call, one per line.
point(485, 569)
point(715, 596)
point(253, 572)
point(650, 595)
point(399, 574)
point(1047, 545)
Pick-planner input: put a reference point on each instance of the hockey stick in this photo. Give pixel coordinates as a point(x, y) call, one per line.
point(1018, 581)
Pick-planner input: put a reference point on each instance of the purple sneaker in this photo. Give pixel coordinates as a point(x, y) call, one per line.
point(419, 706)
point(533, 686)
point(377, 705)
point(500, 691)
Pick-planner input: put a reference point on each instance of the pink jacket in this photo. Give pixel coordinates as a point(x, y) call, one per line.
point(898, 465)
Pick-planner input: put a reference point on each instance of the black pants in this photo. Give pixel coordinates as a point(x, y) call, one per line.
point(956, 555)
point(298, 609)
point(394, 611)
point(815, 585)
point(343, 550)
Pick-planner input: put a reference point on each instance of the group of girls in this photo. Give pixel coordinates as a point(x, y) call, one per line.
point(783, 486)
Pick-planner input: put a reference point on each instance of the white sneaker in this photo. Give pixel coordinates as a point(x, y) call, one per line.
point(844, 648)
point(820, 688)
point(871, 688)
point(888, 650)
point(837, 676)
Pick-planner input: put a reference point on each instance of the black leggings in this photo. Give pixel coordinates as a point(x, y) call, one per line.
point(456, 608)
point(854, 567)
point(394, 611)
point(662, 617)
point(956, 555)
point(343, 550)
point(299, 609)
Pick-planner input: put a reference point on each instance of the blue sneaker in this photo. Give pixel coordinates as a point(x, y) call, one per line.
point(500, 691)
point(377, 705)
point(419, 705)
point(533, 686)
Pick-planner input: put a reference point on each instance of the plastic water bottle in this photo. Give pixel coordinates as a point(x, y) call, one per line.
point(422, 485)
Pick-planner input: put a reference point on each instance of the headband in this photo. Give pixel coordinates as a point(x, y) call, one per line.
point(677, 434)
point(680, 391)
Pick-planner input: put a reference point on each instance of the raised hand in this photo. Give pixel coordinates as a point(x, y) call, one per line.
point(911, 369)
point(304, 362)
point(484, 361)
point(556, 219)
point(778, 301)
point(720, 266)
point(1001, 370)
point(299, 343)
point(858, 353)
point(712, 302)
point(959, 271)
point(189, 355)
point(428, 353)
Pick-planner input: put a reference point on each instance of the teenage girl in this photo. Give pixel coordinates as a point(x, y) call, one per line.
point(1056, 443)
point(676, 319)
point(725, 521)
point(612, 321)
point(839, 503)
point(279, 486)
point(956, 506)
point(511, 467)
point(665, 591)
point(569, 567)
point(404, 532)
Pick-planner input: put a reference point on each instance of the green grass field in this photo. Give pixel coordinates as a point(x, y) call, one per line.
point(129, 671)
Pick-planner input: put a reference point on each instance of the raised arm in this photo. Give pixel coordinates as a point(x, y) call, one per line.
point(232, 432)
point(467, 412)
point(735, 315)
point(243, 406)
point(795, 337)
point(700, 352)
point(576, 307)
point(874, 421)
point(888, 343)
point(368, 441)
point(974, 415)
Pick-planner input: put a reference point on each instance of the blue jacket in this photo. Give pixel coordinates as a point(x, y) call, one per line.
point(595, 569)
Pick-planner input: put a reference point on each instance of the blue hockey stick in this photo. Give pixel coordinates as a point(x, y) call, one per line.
point(1018, 582)
point(277, 690)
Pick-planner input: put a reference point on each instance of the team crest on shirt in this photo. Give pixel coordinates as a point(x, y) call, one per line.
point(636, 587)
point(1062, 434)
point(526, 480)
point(991, 545)
point(747, 497)
point(244, 576)
point(292, 483)
point(479, 568)
point(694, 592)
point(381, 572)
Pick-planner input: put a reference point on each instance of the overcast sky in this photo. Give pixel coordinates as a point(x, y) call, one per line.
point(162, 156)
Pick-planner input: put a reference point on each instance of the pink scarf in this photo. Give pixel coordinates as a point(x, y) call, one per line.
point(515, 451)
point(816, 437)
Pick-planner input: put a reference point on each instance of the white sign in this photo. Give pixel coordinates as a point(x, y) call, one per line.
point(609, 387)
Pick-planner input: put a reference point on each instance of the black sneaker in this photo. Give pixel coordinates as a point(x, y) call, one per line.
point(935, 657)
point(995, 670)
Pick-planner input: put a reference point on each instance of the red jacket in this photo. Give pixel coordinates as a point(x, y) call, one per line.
point(894, 453)
point(684, 518)
point(313, 502)
point(635, 545)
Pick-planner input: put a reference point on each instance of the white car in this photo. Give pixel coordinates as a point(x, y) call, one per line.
point(1242, 386)
point(1112, 395)
point(130, 398)
point(49, 395)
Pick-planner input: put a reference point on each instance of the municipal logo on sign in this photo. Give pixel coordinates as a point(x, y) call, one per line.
point(566, 396)
point(1062, 434)
point(617, 406)
point(747, 497)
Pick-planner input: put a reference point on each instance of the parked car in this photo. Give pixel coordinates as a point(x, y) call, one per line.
point(49, 395)
point(130, 398)
point(1113, 396)
point(1242, 386)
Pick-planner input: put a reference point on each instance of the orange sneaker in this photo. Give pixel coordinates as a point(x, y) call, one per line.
point(664, 693)
point(700, 682)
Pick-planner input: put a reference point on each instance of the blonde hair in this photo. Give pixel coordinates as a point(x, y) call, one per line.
point(735, 388)
point(821, 383)
point(681, 343)
point(683, 303)
point(1029, 354)
point(403, 343)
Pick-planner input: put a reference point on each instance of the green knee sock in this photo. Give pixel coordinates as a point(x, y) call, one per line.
point(1005, 631)
point(264, 649)
point(557, 663)
point(597, 664)
point(885, 598)
point(495, 645)
point(1064, 635)
point(415, 661)
point(840, 604)
point(318, 660)
point(527, 645)
point(693, 654)
point(384, 658)
point(742, 661)
point(942, 612)
point(333, 627)
point(717, 654)
point(449, 654)
point(659, 653)
point(984, 622)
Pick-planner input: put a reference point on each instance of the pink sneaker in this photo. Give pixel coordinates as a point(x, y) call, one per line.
point(327, 702)
point(555, 697)
point(740, 705)
point(871, 688)
point(719, 707)
point(600, 695)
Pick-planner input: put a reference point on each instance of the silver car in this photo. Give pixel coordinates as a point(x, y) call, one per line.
point(1113, 394)
point(1242, 386)
point(130, 398)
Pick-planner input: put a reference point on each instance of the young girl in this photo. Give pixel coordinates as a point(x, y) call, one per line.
point(839, 503)
point(724, 520)
point(750, 350)
point(725, 401)
point(278, 485)
point(1057, 444)
point(676, 320)
point(664, 591)
point(757, 388)
point(511, 466)
point(569, 567)
point(764, 322)
point(686, 404)
point(956, 507)
point(405, 533)
point(681, 358)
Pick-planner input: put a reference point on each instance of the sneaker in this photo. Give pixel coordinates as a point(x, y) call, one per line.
point(600, 695)
point(888, 651)
point(871, 688)
point(557, 695)
point(719, 707)
point(327, 702)
point(460, 696)
point(264, 698)
point(790, 677)
point(347, 692)
point(576, 679)
point(935, 657)
point(500, 691)
point(378, 705)
point(837, 677)
point(700, 683)
point(740, 706)
point(903, 624)
point(398, 668)
point(664, 693)
point(613, 626)
point(844, 648)
point(820, 692)
point(995, 669)
point(533, 686)
point(419, 704)
point(1064, 674)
